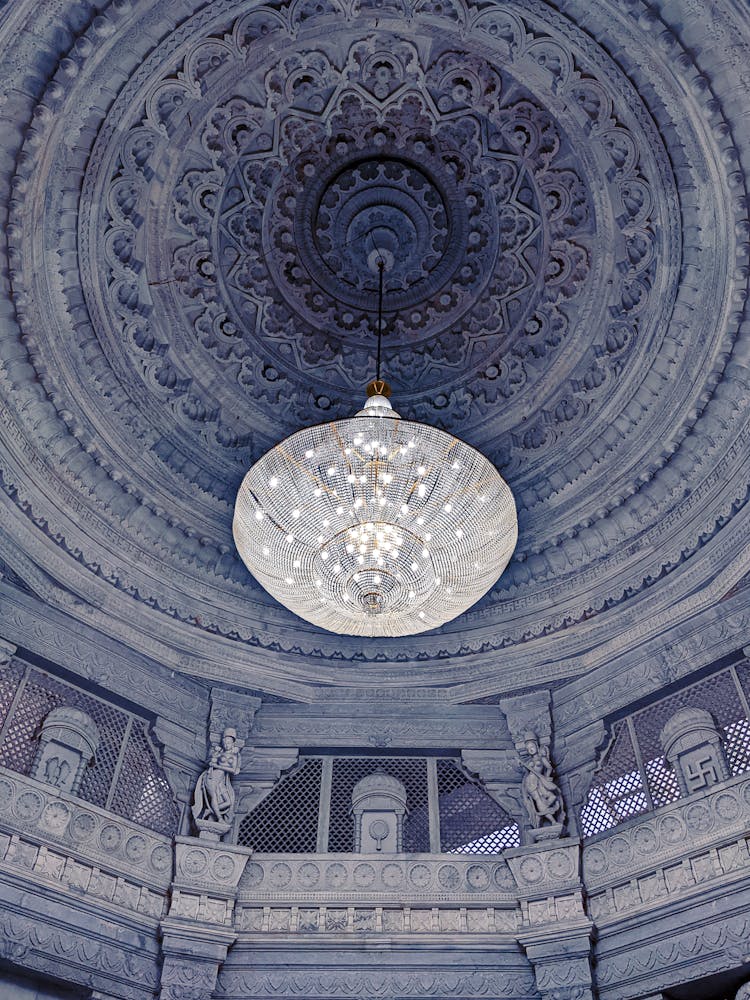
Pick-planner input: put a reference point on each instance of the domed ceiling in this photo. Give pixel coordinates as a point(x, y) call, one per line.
point(195, 213)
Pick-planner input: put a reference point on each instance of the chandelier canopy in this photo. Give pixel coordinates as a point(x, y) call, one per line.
point(374, 525)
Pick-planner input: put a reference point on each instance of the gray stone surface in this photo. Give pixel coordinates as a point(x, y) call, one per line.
point(187, 191)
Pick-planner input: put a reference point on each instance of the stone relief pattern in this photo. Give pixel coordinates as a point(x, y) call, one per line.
point(695, 643)
point(702, 951)
point(361, 919)
point(478, 983)
point(51, 868)
point(199, 189)
point(697, 840)
point(40, 812)
point(202, 868)
point(46, 948)
point(284, 877)
point(74, 64)
point(185, 980)
point(370, 124)
point(204, 908)
point(176, 697)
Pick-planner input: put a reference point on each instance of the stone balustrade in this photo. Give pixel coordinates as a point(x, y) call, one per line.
point(50, 835)
point(667, 853)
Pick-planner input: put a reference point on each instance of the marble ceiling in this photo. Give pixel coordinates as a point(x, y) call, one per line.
point(195, 193)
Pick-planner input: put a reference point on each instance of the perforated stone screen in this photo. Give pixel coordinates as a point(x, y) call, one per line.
point(125, 776)
point(286, 821)
point(310, 808)
point(347, 771)
point(635, 777)
point(471, 822)
point(617, 791)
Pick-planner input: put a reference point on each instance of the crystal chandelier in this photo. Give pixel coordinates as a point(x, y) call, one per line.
point(374, 525)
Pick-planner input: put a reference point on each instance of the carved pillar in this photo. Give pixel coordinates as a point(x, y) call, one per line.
point(577, 755)
point(530, 726)
point(183, 751)
point(198, 931)
point(232, 710)
point(562, 967)
point(556, 932)
point(191, 962)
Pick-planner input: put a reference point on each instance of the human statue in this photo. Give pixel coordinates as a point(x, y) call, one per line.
point(541, 796)
point(56, 771)
point(213, 801)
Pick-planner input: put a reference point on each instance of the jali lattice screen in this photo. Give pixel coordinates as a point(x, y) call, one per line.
point(125, 777)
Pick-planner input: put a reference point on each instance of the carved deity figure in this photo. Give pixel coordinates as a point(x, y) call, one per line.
point(56, 771)
point(214, 795)
point(541, 796)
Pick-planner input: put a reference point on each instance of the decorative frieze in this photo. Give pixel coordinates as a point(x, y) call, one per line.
point(47, 866)
point(45, 815)
point(708, 827)
point(466, 984)
point(441, 878)
point(354, 920)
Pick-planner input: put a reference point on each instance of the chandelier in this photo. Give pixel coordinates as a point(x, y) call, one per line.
point(374, 525)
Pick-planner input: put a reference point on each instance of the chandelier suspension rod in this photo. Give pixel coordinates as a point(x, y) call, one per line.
point(381, 268)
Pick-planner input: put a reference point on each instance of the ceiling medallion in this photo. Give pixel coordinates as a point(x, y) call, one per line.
point(374, 525)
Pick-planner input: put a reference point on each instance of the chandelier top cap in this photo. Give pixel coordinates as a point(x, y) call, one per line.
point(378, 387)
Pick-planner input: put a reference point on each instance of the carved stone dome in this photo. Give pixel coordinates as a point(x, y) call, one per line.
point(194, 212)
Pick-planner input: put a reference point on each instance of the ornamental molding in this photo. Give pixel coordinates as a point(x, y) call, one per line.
point(360, 879)
point(90, 655)
point(405, 921)
point(63, 826)
point(552, 53)
point(698, 839)
point(47, 943)
point(696, 952)
point(383, 983)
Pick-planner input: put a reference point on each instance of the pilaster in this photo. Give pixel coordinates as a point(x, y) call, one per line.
point(199, 928)
point(556, 933)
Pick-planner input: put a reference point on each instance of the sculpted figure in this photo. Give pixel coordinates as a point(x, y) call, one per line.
point(56, 771)
point(214, 795)
point(541, 796)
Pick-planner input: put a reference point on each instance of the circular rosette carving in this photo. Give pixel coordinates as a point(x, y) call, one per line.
point(55, 816)
point(216, 277)
point(448, 877)
point(110, 837)
point(280, 875)
point(392, 875)
point(364, 875)
point(420, 876)
point(308, 875)
point(28, 806)
point(478, 877)
point(83, 826)
point(253, 875)
point(335, 875)
point(195, 862)
point(135, 848)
